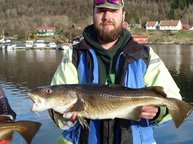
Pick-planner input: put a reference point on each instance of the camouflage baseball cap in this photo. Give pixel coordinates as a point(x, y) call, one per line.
point(111, 4)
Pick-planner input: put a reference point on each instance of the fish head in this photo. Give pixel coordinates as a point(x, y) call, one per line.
point(55, 97)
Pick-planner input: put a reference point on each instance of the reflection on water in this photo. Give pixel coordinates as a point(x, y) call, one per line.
point(179, 60)
point(29, 68)
point(21, 70)
point(176, 57)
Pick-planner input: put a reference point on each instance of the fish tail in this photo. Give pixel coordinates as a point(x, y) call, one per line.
point(29, 131)
point(180, 111)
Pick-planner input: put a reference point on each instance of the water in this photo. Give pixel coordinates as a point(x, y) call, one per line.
point(22, 70)
point(179, 60)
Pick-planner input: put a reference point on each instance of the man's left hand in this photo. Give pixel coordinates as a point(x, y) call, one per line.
point(149, 112)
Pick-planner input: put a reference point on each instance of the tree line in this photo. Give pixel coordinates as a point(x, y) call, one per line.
point(21, 17)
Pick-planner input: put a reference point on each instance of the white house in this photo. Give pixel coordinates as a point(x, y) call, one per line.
point(151, 25)
point(46, 31)
point(174, 25)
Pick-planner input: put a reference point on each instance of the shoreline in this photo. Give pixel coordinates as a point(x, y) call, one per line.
point(169, 43)
point(182, 37)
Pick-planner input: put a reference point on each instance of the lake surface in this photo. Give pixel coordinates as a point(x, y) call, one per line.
point(179, 61)
point(25, 69)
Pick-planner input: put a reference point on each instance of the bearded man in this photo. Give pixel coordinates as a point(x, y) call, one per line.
point(109, 55)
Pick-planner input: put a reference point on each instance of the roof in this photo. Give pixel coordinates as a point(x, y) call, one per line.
point(169, 22)
point(151, 23)
point(186, 26)
point(46, 28)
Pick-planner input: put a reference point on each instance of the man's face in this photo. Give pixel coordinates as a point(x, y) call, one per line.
point(108, 23)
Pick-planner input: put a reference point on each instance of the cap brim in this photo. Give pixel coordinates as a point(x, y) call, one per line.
point(109, 6)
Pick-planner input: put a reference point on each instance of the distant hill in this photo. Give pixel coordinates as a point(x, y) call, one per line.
point(21, 17)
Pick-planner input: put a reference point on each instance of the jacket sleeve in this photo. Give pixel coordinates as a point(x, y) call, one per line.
point(5, 108)
point(158, 75)
point(66, 73)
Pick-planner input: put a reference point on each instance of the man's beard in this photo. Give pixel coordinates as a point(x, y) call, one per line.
point(108, 36)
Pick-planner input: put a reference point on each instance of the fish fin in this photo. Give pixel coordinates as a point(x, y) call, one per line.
point(180, 112)
point(83, 122)
point(159, 90)
point(134, 114)
point(29, 129)
point(137, 113)
point(79, 105)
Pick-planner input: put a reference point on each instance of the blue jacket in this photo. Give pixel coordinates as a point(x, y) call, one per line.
point(131, 69)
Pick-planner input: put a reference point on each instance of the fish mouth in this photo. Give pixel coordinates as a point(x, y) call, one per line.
point(40, 104)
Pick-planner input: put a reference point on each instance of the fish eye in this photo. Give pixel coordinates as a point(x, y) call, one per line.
point(48, 91)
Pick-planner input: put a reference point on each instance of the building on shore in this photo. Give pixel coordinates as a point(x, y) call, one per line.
point(140, 38)
point(46, 31)
point(174, 25)
point(152, 25)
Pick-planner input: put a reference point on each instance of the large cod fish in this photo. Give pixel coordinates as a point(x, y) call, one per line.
point(105, 102)
point(27, 129)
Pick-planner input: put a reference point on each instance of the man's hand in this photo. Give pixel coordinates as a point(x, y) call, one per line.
point(74, 118)
point(149, 112)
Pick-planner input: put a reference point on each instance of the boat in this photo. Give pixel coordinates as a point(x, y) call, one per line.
point(39, 44)
point(7, 44)
point(29, 44)
point(52, 45)
point(2, 41)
